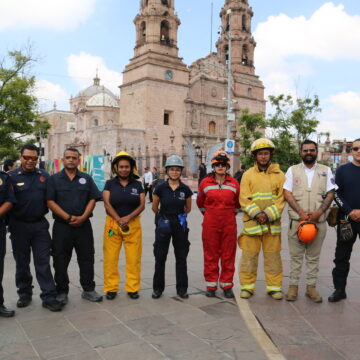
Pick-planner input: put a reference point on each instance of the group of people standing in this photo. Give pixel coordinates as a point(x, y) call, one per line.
point(26, 194)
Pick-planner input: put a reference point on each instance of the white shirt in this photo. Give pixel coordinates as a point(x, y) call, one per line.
point(288, 185)
point(148, 178)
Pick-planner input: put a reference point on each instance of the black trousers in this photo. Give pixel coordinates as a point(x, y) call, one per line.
point(2, 256)
point(27, 236)
point(65, 239)
point(149, 190)
point(181, 249)
point(342, 258)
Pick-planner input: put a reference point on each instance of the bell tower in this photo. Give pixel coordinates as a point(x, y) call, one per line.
point(236, 16)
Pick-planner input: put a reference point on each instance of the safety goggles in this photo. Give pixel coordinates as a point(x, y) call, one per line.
point(220, 165)
point(356, 148)
point(28, 158)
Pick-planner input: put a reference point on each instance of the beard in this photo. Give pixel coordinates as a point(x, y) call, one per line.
point(309, 159)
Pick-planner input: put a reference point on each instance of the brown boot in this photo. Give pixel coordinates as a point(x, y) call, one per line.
point(312, 294)
point(292, 293)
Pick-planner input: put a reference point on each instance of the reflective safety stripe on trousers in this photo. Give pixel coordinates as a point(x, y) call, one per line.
point(219, 187)
point(259, 229)
point(248, 287)
point(225, 284)
point(273, 288)
point(211, 284)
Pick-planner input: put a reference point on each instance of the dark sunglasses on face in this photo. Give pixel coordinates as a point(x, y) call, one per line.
point(309, 150)
point(220, 165)
point(356, 148)
point(28, 157)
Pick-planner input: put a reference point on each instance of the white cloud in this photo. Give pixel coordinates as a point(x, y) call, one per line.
point(342, 115)
point(329, 34)
point(49, 93)
point(50, 14)
point(83, 67)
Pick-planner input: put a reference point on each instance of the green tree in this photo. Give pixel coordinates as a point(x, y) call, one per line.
point(293, 121)
point(18, 105)
point(251, 127)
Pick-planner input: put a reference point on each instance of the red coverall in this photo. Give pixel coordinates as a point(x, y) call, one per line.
point(219, 203)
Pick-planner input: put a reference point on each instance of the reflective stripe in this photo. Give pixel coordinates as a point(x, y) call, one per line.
point(218, 187)
point(212, 187)
point(252, 209)
point(275, 229)
point(225, 284)
point(259, 229)
point(248, 287)
point(211, 284)
point(227, 187)
point(262, 196)
point(273, 288)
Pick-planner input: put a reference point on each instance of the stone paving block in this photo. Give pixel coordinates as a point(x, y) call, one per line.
point(77, 305)
point(199, 299)
point(132, 312)
point(57, 346)
point(166, 305)
point(222, 309)
point(138, 350)
point(88, 355)
point(174, 340)
point(348, 345)
point(202, 354)
point(38, 329)
point(310, 352)
point(35, 311)
point(91, 319)
point(17, 352)
point(11, 333)
point(150, 325)
point(109, 336)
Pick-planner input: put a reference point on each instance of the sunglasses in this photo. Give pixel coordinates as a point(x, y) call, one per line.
point(356, 148)
point(28, 157)
point(220, 165)
point(309, 150)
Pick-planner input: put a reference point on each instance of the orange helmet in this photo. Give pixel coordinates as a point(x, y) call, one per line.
point(220, 157)
point(307, 231)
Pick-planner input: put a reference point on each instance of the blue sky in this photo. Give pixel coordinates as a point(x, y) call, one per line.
point(308, 47)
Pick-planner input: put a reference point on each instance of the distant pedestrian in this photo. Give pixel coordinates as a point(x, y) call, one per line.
point(201, 172)
point(347, 197)
point(71, 196)
point(148, 181)
point(30, 230)
point(239, 174)
point(174, 198)
point(124, 200)
point(9, 164)
point(218, 200)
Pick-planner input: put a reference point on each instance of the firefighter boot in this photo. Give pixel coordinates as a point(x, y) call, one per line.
point(276, 295)
point(246, 294)
point(292, 293)
point(312, 294)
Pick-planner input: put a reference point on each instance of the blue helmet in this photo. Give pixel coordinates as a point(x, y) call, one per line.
point(174, 160)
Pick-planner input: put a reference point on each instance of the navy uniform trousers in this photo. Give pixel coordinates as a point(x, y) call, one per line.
point(2, 256)
point(27, 236)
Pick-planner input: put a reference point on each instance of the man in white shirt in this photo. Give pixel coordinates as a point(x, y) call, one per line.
point(309, 190)
point(148, 180)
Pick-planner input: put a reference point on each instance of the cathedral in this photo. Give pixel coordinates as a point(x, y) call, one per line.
point(166, 106)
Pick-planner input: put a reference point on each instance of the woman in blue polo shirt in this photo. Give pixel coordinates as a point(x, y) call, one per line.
point(174, 199)
point(124, 200)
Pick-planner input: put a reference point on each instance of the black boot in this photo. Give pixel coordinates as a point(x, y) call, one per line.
point(229, 294)
point(5, 312)
point(156, 294)
point(337, 295)
point(210, 293)
point(111, 295)
point(134, 295)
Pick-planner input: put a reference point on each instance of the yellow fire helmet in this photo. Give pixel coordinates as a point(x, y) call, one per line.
point(124, 155)
point(261, 144)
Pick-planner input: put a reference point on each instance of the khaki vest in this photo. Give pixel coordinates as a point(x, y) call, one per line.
point(309, 198)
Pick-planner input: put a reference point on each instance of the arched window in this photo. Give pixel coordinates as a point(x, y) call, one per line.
point(245, 56)
point(226, 53)
point(165, 2)
point(143, 32)
point(244, 28)
point(249, 92)
point(165, 33)
point(212, 128)
point(95, 122)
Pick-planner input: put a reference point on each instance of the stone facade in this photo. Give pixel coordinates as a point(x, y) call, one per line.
point(166, 107)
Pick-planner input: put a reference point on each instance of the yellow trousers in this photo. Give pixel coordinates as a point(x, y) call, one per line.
point(113, 240)
point(251, 246)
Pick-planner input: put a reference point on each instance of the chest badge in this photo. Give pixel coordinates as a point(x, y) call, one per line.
point(42, 179)
point(20, 184)
point(82, 181)
point(297, 181)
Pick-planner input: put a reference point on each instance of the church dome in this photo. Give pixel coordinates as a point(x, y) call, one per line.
point(94, 89)
point(102, 99)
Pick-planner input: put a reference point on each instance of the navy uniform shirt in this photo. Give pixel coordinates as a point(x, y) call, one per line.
point(124, 199)
point(72, 195)
point(172, 202)
point(6, 189)
point(30, 193)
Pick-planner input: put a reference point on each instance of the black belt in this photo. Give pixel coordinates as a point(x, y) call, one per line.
point(29, 219)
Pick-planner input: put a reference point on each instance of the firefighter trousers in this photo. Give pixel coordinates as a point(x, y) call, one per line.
point(113, 240)
point(219, 243)
point(251, 246)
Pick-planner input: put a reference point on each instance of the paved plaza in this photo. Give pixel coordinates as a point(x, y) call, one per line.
point(194, 329)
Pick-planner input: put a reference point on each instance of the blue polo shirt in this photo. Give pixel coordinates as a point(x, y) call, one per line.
point(172, 202)
point(124, 199)
point(30, 193)
point(72, 195)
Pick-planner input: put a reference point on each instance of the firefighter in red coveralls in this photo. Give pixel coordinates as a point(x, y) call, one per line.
point(218, 200)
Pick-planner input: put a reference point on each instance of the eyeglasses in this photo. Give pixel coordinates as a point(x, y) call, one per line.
point(309, 150)
point(220, 165)
point(28, 157)
point(71, 157)
point(356, 148)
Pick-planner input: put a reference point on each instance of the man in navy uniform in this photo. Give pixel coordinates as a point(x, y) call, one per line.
point(30, 230)
point(71, 196)
point(7, 199)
